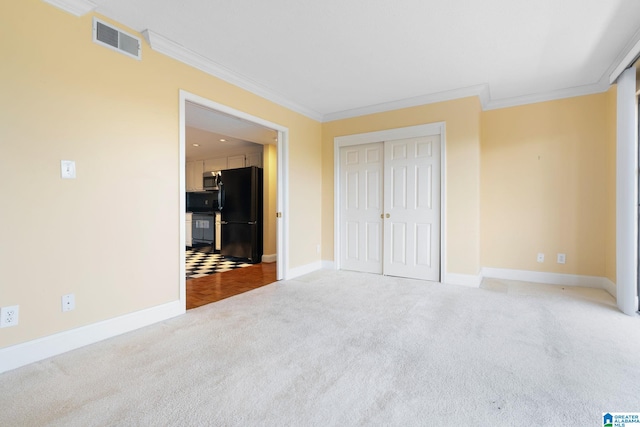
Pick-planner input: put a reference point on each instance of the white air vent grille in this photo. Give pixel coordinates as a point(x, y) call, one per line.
point(115, 39)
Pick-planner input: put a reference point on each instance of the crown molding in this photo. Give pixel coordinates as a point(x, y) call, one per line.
point(547, 96)
point(178, 52)
point(481, 91)
point(74, 7)
point(626, 57)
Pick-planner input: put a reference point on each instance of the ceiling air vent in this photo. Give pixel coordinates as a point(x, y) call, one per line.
point(115, 39)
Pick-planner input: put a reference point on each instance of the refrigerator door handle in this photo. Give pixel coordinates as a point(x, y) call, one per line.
point(220, 196)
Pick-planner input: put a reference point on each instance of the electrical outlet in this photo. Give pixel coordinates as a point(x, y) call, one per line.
point(318, 248)
point(540, 257)
point(562, 258)
point(9, 316)
point(68, 302)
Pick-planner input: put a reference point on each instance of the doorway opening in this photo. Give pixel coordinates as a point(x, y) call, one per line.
point(215, 137)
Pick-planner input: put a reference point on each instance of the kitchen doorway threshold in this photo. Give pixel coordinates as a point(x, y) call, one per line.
point(215, 287)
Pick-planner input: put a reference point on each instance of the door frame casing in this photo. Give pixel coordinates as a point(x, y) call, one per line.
point(437, 128)
point(282, 178)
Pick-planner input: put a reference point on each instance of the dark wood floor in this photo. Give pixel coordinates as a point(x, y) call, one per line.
point(212, 288)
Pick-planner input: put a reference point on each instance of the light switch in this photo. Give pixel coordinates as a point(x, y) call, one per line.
point(68, 169)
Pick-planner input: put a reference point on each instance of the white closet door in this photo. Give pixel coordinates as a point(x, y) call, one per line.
point(412, 208)
point(361, 168)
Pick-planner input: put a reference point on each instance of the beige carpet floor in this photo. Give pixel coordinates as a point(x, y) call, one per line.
point(348, 349)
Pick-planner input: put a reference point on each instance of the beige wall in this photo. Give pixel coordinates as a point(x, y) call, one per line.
point(270, 163)
point(462, 119)
point(112, 235)
point(547, 186)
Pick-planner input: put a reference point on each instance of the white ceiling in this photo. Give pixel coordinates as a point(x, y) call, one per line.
point(340, 58)
point(202, 145)
point(215, 132)
point(200, 117)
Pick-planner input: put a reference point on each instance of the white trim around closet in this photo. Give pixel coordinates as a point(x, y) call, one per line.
point(437, 128)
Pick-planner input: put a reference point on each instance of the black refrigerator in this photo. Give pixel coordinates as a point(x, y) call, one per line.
point(240, 203)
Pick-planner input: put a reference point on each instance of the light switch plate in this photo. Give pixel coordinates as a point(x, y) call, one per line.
point(68, 169)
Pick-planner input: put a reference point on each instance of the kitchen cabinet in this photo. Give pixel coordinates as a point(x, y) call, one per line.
point(193, 174)
point(216, 164)
point(254, 159)
point(188, 231)
point(234, 162)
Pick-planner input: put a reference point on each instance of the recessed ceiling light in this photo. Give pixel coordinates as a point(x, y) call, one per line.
point(196, 145)
point(223, 140)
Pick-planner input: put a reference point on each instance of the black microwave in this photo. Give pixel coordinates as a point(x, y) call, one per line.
point(202, 201)
point(210, 180)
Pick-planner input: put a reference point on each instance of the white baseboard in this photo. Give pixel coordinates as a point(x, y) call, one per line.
point(328, 265)
point(42, 348)
point(462, 279)
point(269, 258)
point(609, 286)
point(304, 269)
point(550, 278)
point(474, 281)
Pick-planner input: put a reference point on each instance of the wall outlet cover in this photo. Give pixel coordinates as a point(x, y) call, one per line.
point(9, 316)
point(68, 302)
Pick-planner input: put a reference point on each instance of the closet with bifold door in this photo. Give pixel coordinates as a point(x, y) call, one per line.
point(389, 210)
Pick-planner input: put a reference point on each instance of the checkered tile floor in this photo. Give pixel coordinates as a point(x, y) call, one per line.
point(202, 263)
